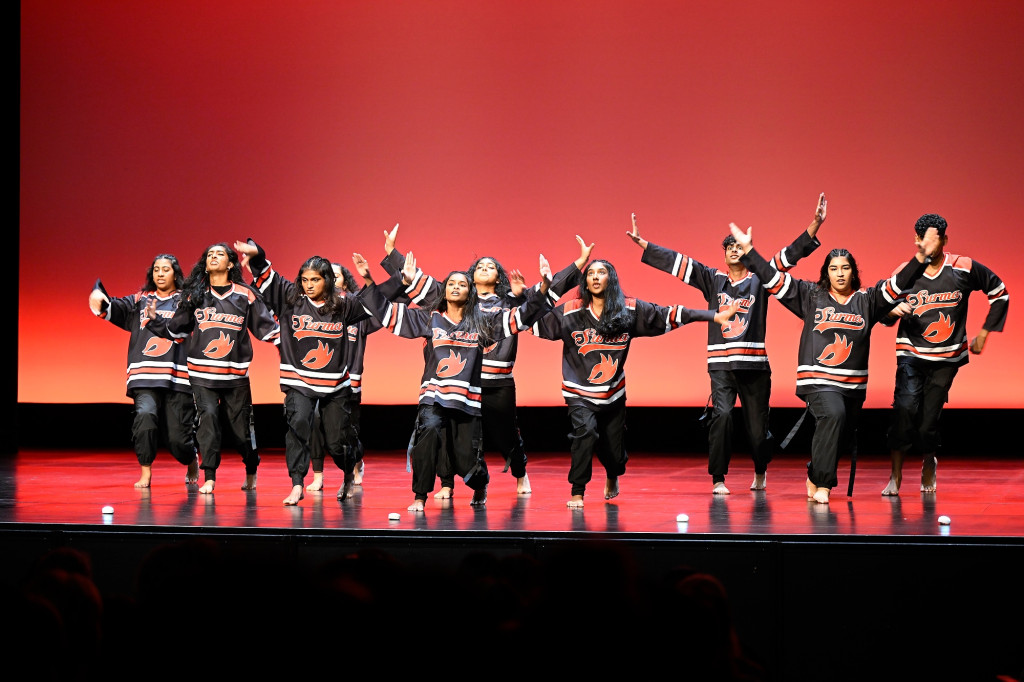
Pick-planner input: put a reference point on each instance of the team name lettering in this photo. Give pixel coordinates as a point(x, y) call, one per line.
point(304, 326)
point(922, 301)
point(209, 318)
point(828, 318)
point(725, 299)
point(589, 341)
point(455, 338)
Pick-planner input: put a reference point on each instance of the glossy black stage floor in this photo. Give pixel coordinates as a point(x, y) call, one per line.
point(853, 578)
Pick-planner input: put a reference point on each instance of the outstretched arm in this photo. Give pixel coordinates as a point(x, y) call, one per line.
point(635, 234)
point(585, 250)
point(744, 239)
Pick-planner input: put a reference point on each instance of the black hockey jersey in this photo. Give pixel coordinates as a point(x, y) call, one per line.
point(219, 349)
point(594, 367)
point(740, 343)
point(936, 330)
point(453, 357)
point(315, 350)
point(153, 362)
point(836, 338)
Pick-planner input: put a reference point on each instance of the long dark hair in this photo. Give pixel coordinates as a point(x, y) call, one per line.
point(346, 278)
point(823, 281)
point(322, 267)
point(502, 287)
point(616, 317)
point(198, 281)
point(473, 320)
point(179, 276)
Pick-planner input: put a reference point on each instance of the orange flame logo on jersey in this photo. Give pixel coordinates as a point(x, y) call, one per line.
point(157, 347)
point(836, 352)
point(318, 357)
point(451, 366)
point(734, 328)
point(219, 347)
point(939, 330)
point(604, 370)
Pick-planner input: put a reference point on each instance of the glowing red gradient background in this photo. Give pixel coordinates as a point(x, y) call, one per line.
point(504, 128)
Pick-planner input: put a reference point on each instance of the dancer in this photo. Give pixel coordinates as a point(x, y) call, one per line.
point(498, 395)
point(215, 311)
point(737, 356)
point(157, 369)
point(456, 330)
point(314, 361)
point(595, 330)
point(345, 285)
point(838, 315)
point(931, 346)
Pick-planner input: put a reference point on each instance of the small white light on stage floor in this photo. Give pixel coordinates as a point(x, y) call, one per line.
point(944, 520)
point(682, 518)
point(394, 516)
point(108, 510)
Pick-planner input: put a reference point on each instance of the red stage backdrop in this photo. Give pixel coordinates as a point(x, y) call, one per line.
point(505, 128)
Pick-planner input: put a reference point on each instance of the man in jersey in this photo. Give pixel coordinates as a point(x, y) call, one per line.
point(157, 369)
point(931, 346)
point(737, 356)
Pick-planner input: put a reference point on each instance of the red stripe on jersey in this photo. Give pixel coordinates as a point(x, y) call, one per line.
point(216, 370)
point(310, 381)
point(834, 377)
point(949, 354)
point(486, 369)
point(683, 264)
point(736, 351)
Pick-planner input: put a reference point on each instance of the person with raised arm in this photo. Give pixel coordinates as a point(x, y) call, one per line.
point(216, 314)
point(457, 330)
point(157, 369)
point(737, 355)
point(931, 345)
point(495, 291)
point(596, 330)
point(832, 372)
point(314, 362)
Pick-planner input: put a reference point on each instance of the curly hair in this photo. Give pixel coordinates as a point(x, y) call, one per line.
point(198, 281)
point(930, 220)
point(179, 276)
point(346, 280)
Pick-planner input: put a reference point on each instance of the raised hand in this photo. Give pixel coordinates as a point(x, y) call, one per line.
point(96, 301)
point(516, 282)
point(362, 267)
point(409, 269)
point(819, 215)
point(390, 238)
point(545, 270)
point(744, 239)
point(585, 250)
point(635, 234)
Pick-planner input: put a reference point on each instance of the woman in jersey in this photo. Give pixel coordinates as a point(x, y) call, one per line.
point(457, 330)
point(157, 369)
point(596, 330)
point(216, 314)
point(314, 361)
point(838, 315)
point(495, 291)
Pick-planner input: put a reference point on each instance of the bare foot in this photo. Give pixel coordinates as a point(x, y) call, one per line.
point(479, 497)
point(929, 482)
point(318, 482)
point(575, 502)
point(192, 472)
point(145, 478)
point(208, 487)
point(720, 489)
point(250, 482)
point(357, 478)
point(345, 491)
point(295, 496)
point(760, 482)
point(892, 489)
point(611, 488)
point(523, 485)
point(417, 505)
point(821, 495)
point(444, 493)
point(811, 488)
